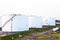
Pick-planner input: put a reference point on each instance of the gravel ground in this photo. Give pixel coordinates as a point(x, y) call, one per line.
point(51, 38)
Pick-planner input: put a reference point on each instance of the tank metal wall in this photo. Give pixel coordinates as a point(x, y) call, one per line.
point(19, 23)
point(35, 21)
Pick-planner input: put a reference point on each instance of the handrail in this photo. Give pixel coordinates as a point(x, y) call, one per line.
point(8, 20)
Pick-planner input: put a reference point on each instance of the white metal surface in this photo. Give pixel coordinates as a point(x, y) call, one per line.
point(19, 23)
point(35, 21)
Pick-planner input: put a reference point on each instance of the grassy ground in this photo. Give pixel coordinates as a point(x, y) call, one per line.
point(57, 35)
point(25, 33)
point(16, 36)
point(9, 37)
point(48, 36)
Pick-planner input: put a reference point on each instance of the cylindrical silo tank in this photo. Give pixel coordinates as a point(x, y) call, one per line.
point(0, 23)
point(35, 21)
point(18, 23)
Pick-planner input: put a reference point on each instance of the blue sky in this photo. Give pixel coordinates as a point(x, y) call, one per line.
point(44, 8)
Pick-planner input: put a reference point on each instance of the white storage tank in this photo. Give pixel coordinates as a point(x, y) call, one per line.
point(35, 21)
point(51, 21)
point(0, 21)
point(19, 23)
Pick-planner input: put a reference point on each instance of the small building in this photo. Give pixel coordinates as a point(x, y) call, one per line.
point(46, 27)
point(57, 22)
point(32, 28)
point(0, 28)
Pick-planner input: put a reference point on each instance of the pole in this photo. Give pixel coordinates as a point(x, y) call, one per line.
point(11, 28)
